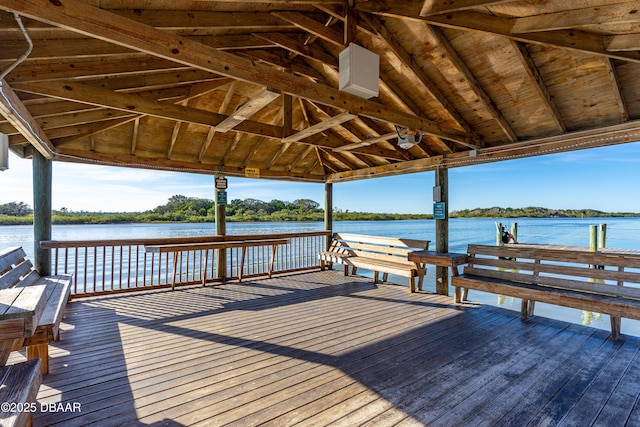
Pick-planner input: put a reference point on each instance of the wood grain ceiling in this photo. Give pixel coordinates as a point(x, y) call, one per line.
point(221, 86)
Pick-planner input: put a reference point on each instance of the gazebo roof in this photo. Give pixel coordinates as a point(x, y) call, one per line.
point(251, 87)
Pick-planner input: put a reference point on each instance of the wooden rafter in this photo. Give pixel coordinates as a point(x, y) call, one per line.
point(247, 110)
point(484, 98)
point(610, 14)
point(538, 82)
point(12, 108)
point(432, 7)
point(617, 89)
point(319, 127)
point(406, 59)
point(134, 135)
point(299, 48)
point(481, 22)
point(622, 42)
point(133, 103)
point(367, 142)
point(303, 22)
point(101, 24)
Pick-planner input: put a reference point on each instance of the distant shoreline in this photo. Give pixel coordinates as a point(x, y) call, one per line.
point(87, 218)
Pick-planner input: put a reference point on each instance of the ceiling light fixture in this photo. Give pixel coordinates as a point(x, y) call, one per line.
point(407, 140)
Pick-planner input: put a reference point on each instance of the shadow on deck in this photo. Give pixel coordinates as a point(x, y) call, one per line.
point(318, 348)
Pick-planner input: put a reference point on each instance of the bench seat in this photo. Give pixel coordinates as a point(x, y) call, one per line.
point(387, 255)
point(17, 272)
point(599, 303)
point(18, 388)
point(603, 282)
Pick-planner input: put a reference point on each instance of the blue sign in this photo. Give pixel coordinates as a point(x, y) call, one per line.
point(439, 211)
point(221, 197)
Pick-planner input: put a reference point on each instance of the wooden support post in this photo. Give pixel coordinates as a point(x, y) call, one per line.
point(498, 234)
point(41, 212)
point(442, 231)
point(221, 230)
point(328, 212)
point(514, 230)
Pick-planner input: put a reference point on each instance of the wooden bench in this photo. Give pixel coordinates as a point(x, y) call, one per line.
point(16, 272)
point(593, 281)
point(19, 387)
point(178, 248)
point(387, 255)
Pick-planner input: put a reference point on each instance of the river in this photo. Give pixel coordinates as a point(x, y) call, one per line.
point(620, 233)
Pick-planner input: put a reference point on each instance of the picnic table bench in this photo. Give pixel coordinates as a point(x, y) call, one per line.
point(31, 309)
point(178, 248)
point(387, 255)
point(17, 277)
point(593, 281)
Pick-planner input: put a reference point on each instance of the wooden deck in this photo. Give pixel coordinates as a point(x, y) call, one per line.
point(319, 348)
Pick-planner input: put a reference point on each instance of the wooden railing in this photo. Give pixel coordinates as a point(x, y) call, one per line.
point(110, 266)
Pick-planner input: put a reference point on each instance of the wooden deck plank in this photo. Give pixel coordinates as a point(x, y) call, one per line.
point(318, 349)
point(601, 390)
point(619, 407)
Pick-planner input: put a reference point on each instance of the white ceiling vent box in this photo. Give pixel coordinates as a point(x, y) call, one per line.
point(359, 71)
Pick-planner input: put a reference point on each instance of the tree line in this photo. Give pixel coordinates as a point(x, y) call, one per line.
point(535, 212)
point(181, 208)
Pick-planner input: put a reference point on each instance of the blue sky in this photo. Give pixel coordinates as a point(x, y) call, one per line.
point(604, 178)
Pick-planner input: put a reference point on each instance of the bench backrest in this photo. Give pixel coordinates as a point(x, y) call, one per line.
point(16, 269)
point(616, 274)
point(393, 249)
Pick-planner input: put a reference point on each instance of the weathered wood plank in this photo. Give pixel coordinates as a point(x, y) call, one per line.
point(311, 349)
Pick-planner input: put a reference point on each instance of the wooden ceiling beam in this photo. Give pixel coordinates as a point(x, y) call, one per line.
point(134, 135)
point(367, 142)
point(491, 24)
point(312, 26)
point(104, 114)
point(79, 92)
point(181, 20)
point(141, 65)
point(174, 138)
point(538, 82)
point(125, 160)
point(617, 14)
point(392, 43)
point(245, 111)
point(432, 7)
point(319, 127)
point(299, 48)
point(617, 89)
point(482, 95)
point(12, 108)
point(90, 20)
point(623, 42)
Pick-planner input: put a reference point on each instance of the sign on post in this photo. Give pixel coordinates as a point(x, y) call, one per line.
point(221, 182)
point(439, 211)
point(221, 197)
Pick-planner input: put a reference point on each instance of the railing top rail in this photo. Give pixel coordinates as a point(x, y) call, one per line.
point(52, 244)
point(173, 247)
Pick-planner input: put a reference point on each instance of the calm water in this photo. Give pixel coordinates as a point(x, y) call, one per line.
point(621, 233)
